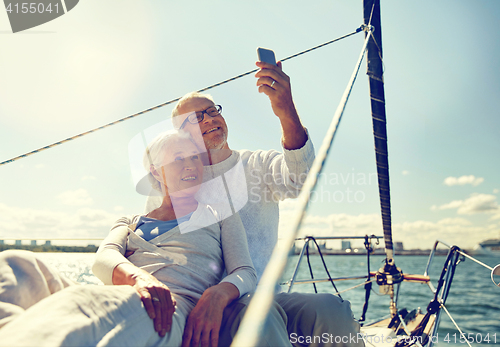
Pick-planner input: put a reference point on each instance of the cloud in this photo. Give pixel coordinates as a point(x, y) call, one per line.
point(95, 218)
point(495, 216)
point(463, 180)
point(330, 225)
point(20, 222)
point(476, 203)
point(455, 221)
point(495, 191)
point(458, 231)
point(453, 204)
point(336, 224)
point(88, 178)
point(79, 197)
point(405, 172)
point(414, 234)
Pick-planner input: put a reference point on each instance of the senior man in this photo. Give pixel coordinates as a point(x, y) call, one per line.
point(253, 183)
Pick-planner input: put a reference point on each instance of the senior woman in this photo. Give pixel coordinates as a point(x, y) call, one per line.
point(173, 258)
point(178, 252)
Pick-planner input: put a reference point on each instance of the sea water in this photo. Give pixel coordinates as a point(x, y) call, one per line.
point(473, 302)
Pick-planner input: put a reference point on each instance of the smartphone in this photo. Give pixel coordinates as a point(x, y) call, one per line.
point(266, 55)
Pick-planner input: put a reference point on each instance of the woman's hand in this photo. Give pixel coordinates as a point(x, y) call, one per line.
point(204, 321)
point(156, 297)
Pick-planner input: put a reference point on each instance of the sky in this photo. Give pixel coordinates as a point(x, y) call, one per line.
point(105, 60)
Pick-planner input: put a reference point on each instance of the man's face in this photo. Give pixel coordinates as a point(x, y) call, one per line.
point(213, 130)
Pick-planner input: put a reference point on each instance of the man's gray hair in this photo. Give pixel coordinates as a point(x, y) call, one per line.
point(187, 97)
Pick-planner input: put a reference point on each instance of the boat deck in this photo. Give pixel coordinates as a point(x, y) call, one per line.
point(379, 335)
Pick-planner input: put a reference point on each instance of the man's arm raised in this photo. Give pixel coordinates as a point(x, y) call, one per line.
point(273, 82)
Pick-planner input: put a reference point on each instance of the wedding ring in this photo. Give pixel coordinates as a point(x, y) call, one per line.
point(155, 299)
point(272, 84)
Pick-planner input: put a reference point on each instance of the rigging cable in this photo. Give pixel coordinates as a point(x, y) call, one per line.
point(257, 311)
point(368, 285)
point(310, 268)
point(440, 296)
point(358, 30)
point(456, 325)
point(353, 287)
point(311, 238)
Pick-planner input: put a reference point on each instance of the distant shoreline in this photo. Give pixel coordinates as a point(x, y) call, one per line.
point(381, 251)
point(93, 249)
point(52, 248)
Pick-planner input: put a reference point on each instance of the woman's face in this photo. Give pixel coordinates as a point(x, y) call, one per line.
point(182, 169)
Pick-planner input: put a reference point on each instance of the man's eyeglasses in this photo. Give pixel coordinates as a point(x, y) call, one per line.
point(197, 117)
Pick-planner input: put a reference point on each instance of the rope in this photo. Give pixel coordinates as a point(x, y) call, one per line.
point(405, 328)
point(444, 285)
point(86, 133)
point(310, 268)
point(170, 102)
point(257, 311)
point(356, 286)
point(455, 323)
point(368, 286)
point(324, 265)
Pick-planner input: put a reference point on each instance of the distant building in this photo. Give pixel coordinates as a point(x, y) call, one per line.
point(33, 242)
point(47, 243)
point(346, 245)
point(1, 242)
point(491, 246)
point(399, 246)
point(18, 243)
point(322, 245)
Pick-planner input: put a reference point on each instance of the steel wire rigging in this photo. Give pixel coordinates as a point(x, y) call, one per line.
point(358, 30)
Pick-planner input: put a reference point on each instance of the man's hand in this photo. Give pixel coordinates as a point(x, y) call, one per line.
point(156, 297)
point(272, 81)
point(204, 321)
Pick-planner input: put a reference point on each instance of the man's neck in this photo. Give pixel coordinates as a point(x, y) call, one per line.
point(215, 156)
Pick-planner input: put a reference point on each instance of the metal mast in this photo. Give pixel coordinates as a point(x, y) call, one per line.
point(389, 274)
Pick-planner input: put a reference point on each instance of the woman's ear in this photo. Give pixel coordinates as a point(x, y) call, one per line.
point(159, 175)
point(153, 171)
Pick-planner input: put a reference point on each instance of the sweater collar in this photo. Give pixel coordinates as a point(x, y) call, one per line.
point(211, 171)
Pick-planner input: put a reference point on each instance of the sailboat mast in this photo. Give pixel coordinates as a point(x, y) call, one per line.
point(388, 275)
point(371, 12)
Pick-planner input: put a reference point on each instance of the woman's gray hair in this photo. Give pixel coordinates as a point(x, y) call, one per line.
point(155, 152)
